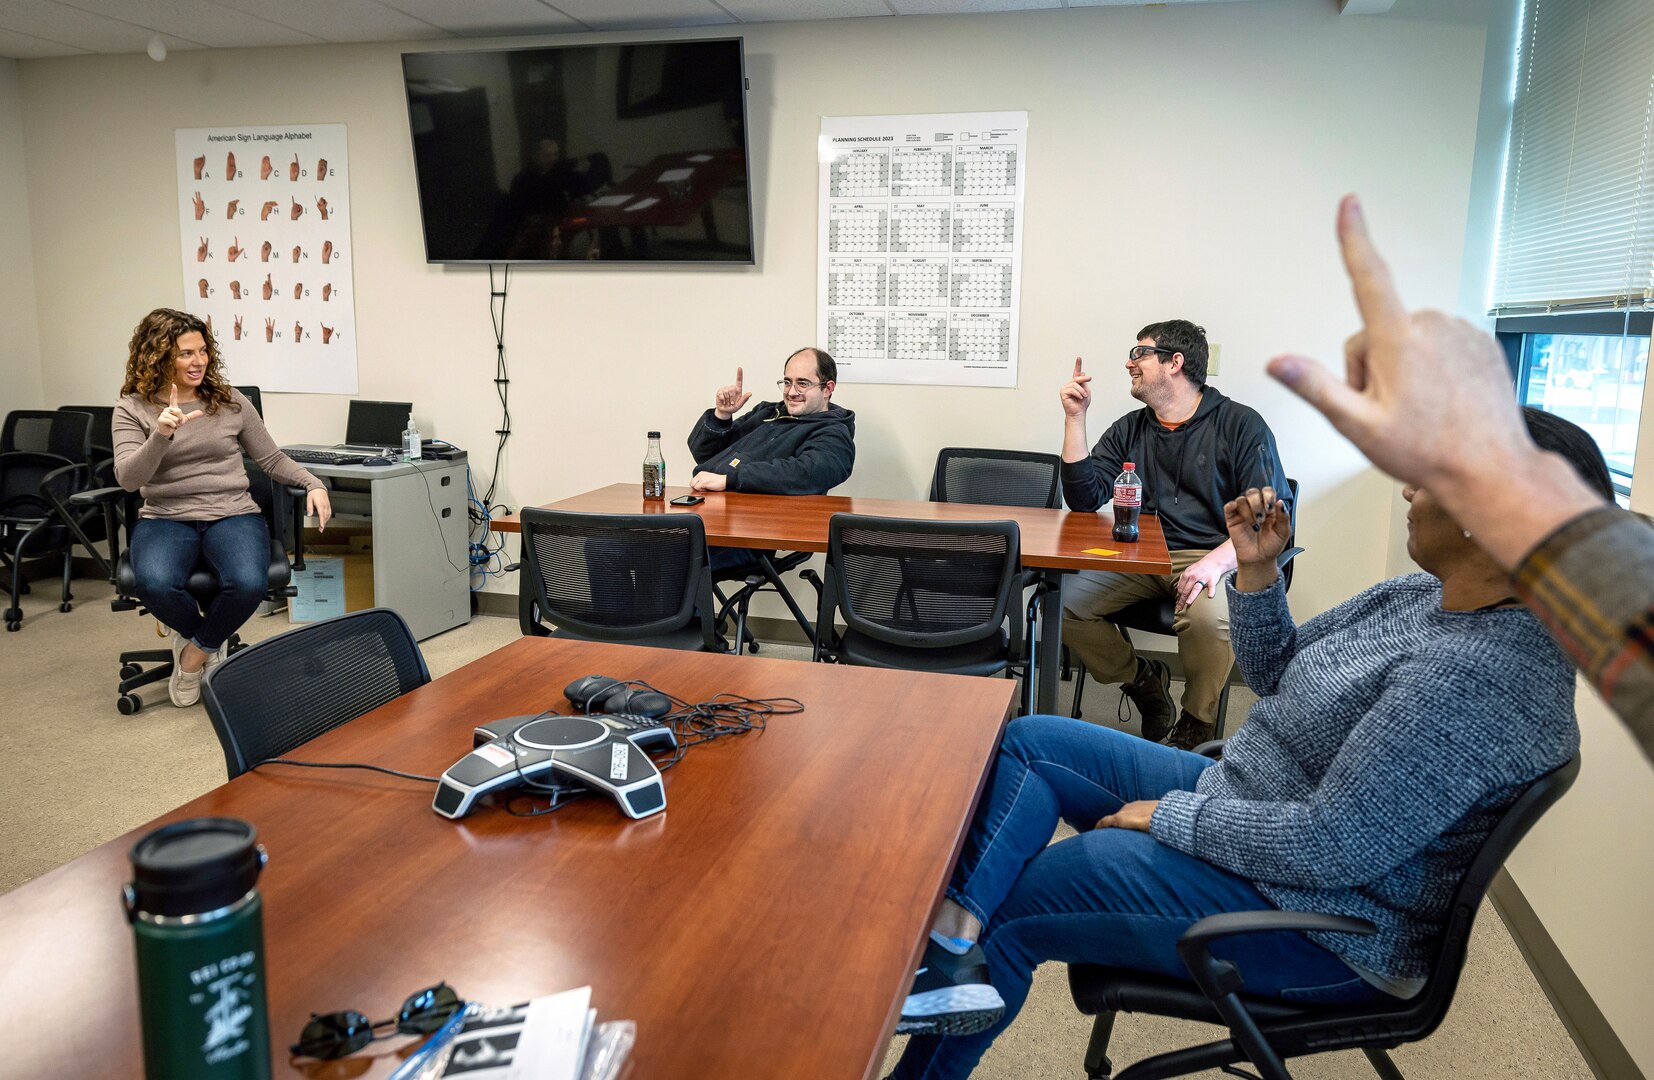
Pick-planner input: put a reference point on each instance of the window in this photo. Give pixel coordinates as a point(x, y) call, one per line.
point(1573, 277)
point(1586, 368)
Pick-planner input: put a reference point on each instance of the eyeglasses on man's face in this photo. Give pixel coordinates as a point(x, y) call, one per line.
point(1139, 351)
point(803, 386)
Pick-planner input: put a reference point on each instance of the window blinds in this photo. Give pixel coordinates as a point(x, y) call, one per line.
point(1576, 225)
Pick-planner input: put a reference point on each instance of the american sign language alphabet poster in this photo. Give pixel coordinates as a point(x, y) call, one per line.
point(920, 247)
point(265, 220)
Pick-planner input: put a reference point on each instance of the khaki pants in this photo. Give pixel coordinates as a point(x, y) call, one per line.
point(1202, 630)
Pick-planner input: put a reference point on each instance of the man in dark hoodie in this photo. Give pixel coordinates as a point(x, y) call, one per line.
point(1192, 447)
point(800, 445)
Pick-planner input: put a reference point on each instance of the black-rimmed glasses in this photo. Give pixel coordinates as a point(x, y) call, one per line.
point(1139, 351)
point(803, 386)
point(333, 1035)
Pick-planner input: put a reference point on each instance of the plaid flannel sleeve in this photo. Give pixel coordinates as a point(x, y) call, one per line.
point(1592, 584)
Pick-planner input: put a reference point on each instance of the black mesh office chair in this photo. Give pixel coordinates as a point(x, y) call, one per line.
point(923, 595)
point(329, 673)
point(637, 578)
point(100, 520)
point(1265, 1031)
point(997, 478)
point(45, 459)
point(1156, 617)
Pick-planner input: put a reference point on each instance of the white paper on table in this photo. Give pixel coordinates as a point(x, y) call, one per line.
point(699, 159)
point(642, 204)
point(610, 200)
point(673, 175)
point(555, 1034)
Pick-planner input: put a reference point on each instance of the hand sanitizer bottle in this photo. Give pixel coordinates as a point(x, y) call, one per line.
point(410, 441)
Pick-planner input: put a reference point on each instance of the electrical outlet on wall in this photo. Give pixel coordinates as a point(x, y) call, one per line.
point(1214, 352)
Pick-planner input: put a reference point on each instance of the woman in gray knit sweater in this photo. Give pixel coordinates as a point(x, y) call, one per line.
point(1390, 733)
point(180, 432)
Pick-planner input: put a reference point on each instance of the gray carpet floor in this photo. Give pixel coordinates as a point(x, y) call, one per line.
point(74, 773)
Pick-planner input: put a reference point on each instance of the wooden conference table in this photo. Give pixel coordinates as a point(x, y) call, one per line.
point(766, 924)
point(1054, 542)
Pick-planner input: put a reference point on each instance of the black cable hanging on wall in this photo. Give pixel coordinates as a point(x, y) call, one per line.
point(486, 547)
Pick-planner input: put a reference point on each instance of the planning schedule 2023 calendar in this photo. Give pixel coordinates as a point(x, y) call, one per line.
point(919, 275)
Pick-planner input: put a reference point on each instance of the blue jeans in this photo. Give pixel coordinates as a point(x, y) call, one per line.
point(1107, 896)
point(165, 552)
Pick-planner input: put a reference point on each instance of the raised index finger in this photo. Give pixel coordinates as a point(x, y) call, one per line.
point(1078, 366)
point(737, 380)
point(1375, 290)
point(174, 395)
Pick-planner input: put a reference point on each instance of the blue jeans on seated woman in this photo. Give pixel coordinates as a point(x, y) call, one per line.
point(1107, 896)
point(165, 552)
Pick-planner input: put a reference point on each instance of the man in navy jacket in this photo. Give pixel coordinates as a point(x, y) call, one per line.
point(1193, 448)
point(800, 445)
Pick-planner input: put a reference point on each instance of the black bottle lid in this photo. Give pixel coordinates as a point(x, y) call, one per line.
point(195, 866)
point(654, 434)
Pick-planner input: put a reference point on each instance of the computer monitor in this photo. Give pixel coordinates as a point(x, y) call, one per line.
point(377, 423)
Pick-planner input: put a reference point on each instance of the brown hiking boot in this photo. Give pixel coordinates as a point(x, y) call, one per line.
point(1190, 733)
point(1150, 691)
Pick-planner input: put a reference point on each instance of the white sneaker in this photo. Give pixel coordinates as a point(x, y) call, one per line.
point(184, 687)
point(217, 657)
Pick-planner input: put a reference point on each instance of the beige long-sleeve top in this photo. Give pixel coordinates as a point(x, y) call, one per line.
point(197, 474)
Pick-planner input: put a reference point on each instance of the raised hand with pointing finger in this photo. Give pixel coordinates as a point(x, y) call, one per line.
point(321, 208)
point(298, 208)
point(172, 417)
point(293, 169)
point(1076, 392)
point(730, 398)
point(236, 250)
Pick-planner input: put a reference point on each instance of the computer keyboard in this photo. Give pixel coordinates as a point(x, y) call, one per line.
point(325, 457)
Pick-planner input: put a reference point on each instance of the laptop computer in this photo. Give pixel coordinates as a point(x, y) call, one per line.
point(375, 427)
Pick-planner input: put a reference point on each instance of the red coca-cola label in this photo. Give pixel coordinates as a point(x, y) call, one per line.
point(1128, 495)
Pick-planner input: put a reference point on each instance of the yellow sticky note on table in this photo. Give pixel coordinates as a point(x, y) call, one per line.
point(1099, 551)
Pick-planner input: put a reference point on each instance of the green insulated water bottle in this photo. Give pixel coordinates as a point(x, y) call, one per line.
point(198, 924)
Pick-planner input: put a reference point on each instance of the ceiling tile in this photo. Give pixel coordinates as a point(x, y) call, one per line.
point(644, 14)
point(204, 21)
point(52, 21)
point(476, 17)
point(23, 47)
point(340, 20)
point(962, 7)
point(756, 11)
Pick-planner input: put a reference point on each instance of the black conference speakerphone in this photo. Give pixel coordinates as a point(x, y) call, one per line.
point(609, 754)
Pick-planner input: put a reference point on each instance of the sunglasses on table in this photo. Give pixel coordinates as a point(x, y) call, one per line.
point(336, 1034)
point(1139, 351)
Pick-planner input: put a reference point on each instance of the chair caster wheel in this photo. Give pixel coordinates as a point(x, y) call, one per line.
point(129, 671)
point(752, 646)
point(129, 704)
point(14, 625)
point(65, 606)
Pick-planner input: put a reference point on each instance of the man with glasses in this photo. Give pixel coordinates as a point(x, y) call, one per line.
point(1194, 449)
point(802, 444)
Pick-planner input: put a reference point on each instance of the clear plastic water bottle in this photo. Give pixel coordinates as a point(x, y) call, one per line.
point(198, 927)
point(1128, 503)
point(411, 449)
point(654, 470)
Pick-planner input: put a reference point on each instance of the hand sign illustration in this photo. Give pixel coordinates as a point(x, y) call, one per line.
point(201, 252)
point(238, 327)
point(200, 163)
point(327, 291)
point(269, 329)
point(297, 209)
point(236, 250)
point(269, 207)
point(267, 286)
point(298, 331)
point(321, 168)
point(298, 290)
point(321, 208)
point(264, 168)
point(293, 169)
point(297, 251)
point(327, 251)
point(235, 290)
point(327, 334)
point(203, 284)
point(200, 207)
point(229, 166)
point(229, 211)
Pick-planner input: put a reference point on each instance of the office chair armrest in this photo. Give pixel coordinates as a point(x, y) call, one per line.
point(290, 521)
point(1287, 556)
point(96, 497)
point(1196, 939)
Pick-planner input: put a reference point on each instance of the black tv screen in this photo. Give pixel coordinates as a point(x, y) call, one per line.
point(623, 153)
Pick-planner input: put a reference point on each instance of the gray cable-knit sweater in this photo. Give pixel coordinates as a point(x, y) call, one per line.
point(1387, 738)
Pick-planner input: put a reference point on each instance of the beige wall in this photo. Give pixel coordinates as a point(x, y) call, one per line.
point(19, 334)
point(1182, 161)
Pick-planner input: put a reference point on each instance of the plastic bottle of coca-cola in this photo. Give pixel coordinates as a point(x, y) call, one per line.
point(1128, 502)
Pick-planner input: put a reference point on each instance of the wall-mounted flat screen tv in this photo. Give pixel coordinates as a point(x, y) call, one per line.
point(621, 153)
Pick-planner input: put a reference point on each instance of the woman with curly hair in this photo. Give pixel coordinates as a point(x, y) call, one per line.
point(180, 432)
